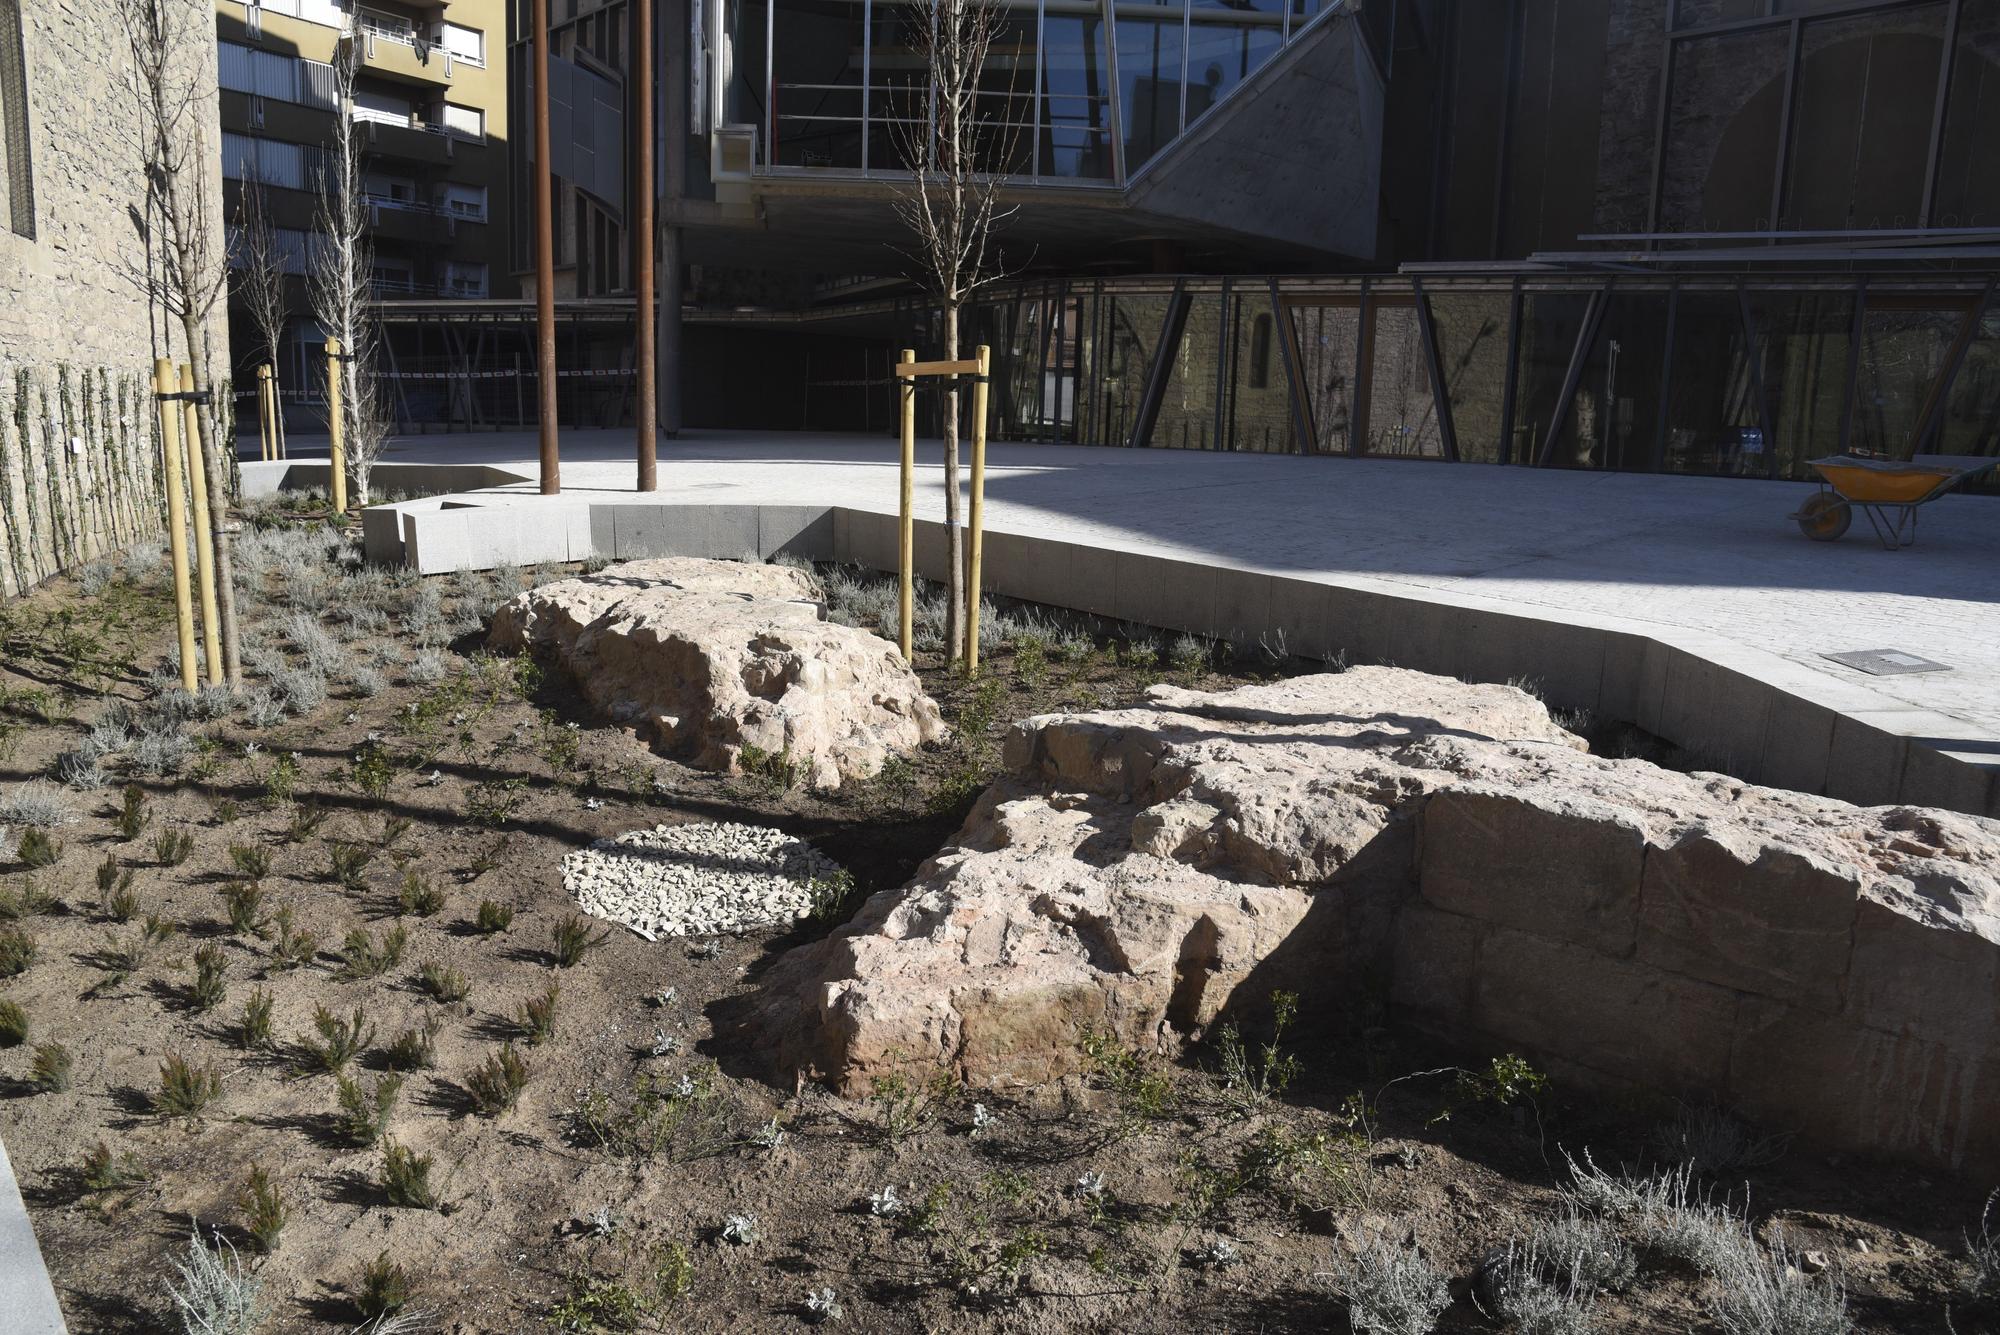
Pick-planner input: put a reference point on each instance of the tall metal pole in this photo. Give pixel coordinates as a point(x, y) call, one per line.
point(647, 409)
point(676, 54)
point(545, 257)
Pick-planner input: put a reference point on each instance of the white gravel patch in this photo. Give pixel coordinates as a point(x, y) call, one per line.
point(697, 880)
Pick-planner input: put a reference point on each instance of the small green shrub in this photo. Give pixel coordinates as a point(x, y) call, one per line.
point(252, 861)
point(244, 901)
point(363, 1115)
point(17, 951)
point(13, 1024)
point(122, 904)
point(384, 1291)
point(571, 939)
point(264, 1211)
point(496, 1084)
point(172, 847)
point(420, 895)
point(347, 865)
point(104, 1171)
point(133, 814)
point(339, 1041)
point(414, 1049)
point(210, 978)
point(38, 848)
point(51, 1069)
point(406, 1178)
point(372, 770)
point(361, 956)
point(253, 1031)
point(185, 1089)
point(536, 1020)
point(293, 947)
point(442, 984)
point(305, 821)
point(493, 918)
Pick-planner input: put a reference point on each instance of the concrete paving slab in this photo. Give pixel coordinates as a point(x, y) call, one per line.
point(27, 1299)
point(1443, 568)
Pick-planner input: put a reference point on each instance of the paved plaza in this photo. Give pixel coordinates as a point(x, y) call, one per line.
point(1710, 563)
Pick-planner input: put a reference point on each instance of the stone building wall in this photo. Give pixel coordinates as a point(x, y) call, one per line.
point(79, 454)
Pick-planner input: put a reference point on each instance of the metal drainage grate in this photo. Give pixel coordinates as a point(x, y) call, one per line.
point(1885, 662)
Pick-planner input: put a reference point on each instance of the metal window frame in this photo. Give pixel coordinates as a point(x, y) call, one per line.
point(1593, 320)
point(1440, 398)
point(1788, 129)
point(1303, 435)
point(1160, 370)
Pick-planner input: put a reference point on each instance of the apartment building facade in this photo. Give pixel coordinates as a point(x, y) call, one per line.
point(430, 103)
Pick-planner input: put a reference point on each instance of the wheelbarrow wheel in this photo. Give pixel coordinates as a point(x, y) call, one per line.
point(1824, 517)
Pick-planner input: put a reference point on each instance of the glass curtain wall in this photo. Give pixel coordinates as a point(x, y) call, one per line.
point(1071, 89)
point(1694, 376)
point(1472, 350)
point(1328, 338)
point(1713, 424)
point(1258, 415)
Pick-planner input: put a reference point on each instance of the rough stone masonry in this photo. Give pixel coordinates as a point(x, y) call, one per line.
point(1825, 969)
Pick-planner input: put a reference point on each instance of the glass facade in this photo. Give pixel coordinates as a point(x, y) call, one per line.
point(1705, 375)
point(1072, 90)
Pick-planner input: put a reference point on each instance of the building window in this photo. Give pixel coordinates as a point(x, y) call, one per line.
point(466, 44)
point(463, 278)
point(17, 168)
point(1260, 353)
point(463, 201)
point(467, 121)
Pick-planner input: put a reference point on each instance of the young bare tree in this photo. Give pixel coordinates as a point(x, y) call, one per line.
point(343, 268)
point(955, 152)
point(260, 280)
point(186, 265)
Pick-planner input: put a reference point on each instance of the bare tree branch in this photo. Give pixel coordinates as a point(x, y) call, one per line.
point(956, 151)
point(260, 274)
point(172, 45)
point(343, 268)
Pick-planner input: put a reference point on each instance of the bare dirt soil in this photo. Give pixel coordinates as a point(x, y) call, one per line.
point(1152, 1197)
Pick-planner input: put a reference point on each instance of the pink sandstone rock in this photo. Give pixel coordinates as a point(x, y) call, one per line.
point(705, 658)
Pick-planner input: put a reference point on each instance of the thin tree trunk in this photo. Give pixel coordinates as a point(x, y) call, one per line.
point(218, 505)
point(954, 616)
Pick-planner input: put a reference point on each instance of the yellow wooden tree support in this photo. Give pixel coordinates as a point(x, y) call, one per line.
point(170, 446)
point(908, 369)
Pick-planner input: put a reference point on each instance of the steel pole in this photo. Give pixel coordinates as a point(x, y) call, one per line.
point(545, 257)
point(643, 243)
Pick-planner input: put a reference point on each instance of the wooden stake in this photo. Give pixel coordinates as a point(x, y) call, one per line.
point(204, 536)
point(170, 447)
point(338, 456)
point(975, 519)
point(264, 450)
point(906, 532)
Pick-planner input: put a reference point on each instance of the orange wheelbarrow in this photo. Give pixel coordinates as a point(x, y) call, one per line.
point(1886, 491)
